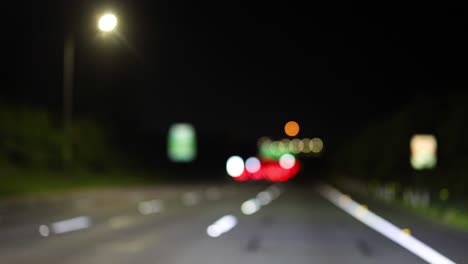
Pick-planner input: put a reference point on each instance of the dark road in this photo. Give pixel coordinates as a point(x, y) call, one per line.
point(229, 223)
point(218, 120)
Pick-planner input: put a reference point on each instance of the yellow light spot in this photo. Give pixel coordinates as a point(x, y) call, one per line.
point(291, 128)
point(406, 231)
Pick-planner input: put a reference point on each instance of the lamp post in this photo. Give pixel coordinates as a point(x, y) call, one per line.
point(106, 23)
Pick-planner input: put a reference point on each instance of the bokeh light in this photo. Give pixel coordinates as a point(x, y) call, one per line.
point(287, 161)
point(249, 207)
point(107, 22)
point(294, 145)
point(306, 145)
point(252, 165)
point(235, 166)
point(316, 145)
point(291, 128)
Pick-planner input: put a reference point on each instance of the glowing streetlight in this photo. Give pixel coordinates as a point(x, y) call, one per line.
point(107, 22)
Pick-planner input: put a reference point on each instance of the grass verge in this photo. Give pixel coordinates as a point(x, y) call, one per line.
point(20, 182)
point(443, 213)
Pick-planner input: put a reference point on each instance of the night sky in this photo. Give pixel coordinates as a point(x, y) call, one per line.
point(240, 69)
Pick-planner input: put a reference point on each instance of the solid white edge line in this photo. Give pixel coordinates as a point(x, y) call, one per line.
point(383, 226)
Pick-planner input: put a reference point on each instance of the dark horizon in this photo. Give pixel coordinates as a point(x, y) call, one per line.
point(236, 71)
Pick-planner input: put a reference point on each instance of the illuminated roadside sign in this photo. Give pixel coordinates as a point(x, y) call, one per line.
point(181, 143)
point(423, 152)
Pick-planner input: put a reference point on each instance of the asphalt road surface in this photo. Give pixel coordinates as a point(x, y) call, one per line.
point(217, 223)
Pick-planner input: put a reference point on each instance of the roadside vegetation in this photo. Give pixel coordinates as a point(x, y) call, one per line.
point(32, 155)
point(379, 158)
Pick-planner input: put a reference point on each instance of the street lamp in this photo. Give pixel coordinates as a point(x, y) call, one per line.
point(106, 23)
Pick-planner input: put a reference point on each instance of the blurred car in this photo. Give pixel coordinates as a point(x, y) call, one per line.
point(280, 170)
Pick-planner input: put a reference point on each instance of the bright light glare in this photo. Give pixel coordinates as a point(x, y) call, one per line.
point(252, 165)
point(235, 166)
point(287, 161)
point(107, 22)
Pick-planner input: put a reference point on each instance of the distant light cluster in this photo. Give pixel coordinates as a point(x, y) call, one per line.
point(262, 169)
point(275, 149)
